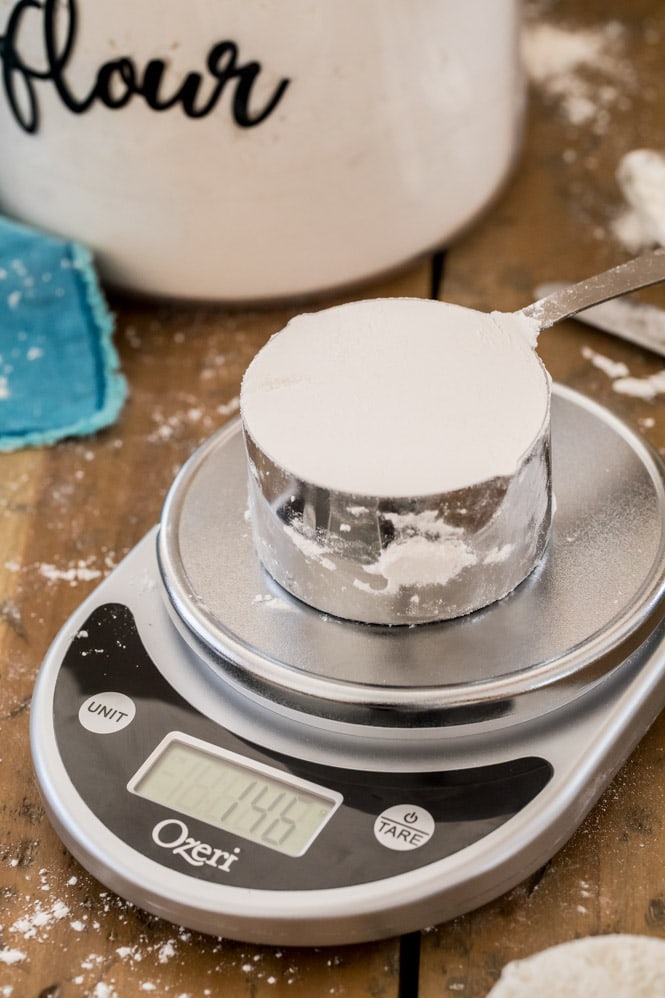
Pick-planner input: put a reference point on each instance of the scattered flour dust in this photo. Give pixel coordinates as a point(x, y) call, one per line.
point(647, 388)
point(41, 917)
point(83, 570)
point(275, 602)
point(229, 408)
point(310, 547)
point(179, 423)
point(83, 918)
point(584, 71)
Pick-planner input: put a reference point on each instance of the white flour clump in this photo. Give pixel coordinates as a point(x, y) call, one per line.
point(613, 966)
point(645, 388)
point(623, 383)
point(432, 553)
point(641, 177)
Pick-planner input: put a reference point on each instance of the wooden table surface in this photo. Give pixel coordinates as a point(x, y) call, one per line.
point(69, 513)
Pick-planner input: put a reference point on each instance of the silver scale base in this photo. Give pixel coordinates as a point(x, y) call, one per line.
point(570, 668)
point(580, 614)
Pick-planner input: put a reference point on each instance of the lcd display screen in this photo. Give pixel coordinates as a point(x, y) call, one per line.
point(235, 794)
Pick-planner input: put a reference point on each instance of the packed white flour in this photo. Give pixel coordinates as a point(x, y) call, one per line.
point(397, 397)
point(613, 966)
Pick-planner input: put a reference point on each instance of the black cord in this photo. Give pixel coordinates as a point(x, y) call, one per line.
point(409, 965)
point(437, 271)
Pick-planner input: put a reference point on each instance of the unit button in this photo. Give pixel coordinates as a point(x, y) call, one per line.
point(404, 826)
point(107, 712)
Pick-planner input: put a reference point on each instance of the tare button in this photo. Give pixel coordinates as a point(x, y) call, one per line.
point(404, 826)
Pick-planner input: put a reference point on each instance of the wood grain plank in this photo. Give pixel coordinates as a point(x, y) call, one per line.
point(556, 221)
point(68, 515)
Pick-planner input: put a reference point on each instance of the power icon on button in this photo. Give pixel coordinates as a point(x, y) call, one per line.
point(404, 826)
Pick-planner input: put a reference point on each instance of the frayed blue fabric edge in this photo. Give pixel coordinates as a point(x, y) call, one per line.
point(115, 384)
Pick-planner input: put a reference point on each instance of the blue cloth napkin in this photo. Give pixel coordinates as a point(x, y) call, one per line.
point(59, 371)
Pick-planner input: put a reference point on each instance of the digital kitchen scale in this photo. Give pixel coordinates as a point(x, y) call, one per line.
point(230, 759)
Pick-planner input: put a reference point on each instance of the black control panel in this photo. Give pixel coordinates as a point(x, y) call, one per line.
point(113, 708)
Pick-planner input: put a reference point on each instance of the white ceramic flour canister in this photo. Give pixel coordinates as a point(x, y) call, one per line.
point(247, 150)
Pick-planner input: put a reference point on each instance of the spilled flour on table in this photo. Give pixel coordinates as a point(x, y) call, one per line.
point(178, 424)
point(88, 569)
point(40, 918)
point(612, 368)
point(9, 956)
point(229, 408)
point(583, 71)
point(587, 75)
point(644, 388)
point(647, 388)
point(106, 939)
point(641, 178)
point(83, 570)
